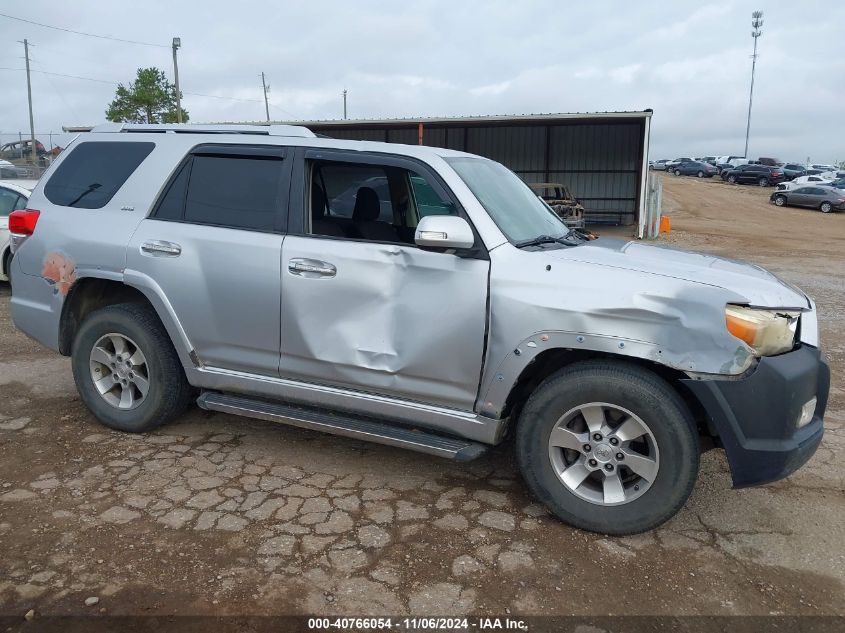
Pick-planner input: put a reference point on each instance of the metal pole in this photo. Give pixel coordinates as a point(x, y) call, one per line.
point(177, 42)
point(266, 104)
point(29, 97)
point(344, 103)
point(756, 22)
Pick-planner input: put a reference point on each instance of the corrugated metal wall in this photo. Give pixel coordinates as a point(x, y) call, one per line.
point(599, 161)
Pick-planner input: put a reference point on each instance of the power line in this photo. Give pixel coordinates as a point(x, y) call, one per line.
point(116, 83)
point(102, 37)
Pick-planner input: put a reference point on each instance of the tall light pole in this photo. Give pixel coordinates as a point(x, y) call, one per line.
point(757, 24)
point(177, 43)
point(344, 103)
point(29, 97)
point(266, 103)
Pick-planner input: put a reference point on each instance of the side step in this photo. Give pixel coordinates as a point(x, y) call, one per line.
point(343, 424)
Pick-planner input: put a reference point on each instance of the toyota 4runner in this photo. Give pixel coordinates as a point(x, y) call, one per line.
point(413, 296)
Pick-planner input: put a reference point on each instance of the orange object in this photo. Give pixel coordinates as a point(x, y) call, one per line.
point(665, 224)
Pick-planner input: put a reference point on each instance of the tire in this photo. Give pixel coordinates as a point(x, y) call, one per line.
point(780, 201)
point(826, 207)
point(700, 174)
point(7, 265)
point(167, 393)
point(763, 182)
point(732, 180)
point(677, 172)
point(635, 391)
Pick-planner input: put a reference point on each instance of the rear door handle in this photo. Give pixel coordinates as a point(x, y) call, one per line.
point(311, 268)
point(161, 248)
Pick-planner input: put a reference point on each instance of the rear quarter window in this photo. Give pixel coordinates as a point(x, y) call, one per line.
point(93, 172)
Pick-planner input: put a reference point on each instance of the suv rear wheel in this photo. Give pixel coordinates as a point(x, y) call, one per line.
point(608, 446)
point(126, 369)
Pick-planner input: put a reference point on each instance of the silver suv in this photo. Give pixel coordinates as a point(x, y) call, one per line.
point(413, 296)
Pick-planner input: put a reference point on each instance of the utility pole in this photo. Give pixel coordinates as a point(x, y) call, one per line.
point(29, 97)
point(757, 24)
point(266, 103)
point(177, 43)
point(344, 103)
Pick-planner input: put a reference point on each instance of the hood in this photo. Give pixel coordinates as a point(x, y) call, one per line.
point(758, 286)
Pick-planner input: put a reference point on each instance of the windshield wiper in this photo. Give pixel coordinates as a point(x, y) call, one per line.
point(547, 239)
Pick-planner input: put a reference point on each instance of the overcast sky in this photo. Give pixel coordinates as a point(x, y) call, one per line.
point(690, 62)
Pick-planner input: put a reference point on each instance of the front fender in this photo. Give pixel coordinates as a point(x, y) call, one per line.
point(495, 393)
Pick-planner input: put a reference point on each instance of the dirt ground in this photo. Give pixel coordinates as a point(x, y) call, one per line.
point(222, 515)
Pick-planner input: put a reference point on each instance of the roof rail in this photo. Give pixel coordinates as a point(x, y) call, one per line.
point(177, 128)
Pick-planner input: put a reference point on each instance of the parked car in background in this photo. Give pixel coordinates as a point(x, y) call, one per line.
point(793, 170)
point(722, 167)
point(762, 175)
point(13, 197)
point(771, 162)
point(10, 170)
point(821, 197)
point(605, 361)
point(821, 167)
point(21, 149)
point(659, 165)
point(695, 168)
point(560, 199)
point(839, 183)
point(677, 161)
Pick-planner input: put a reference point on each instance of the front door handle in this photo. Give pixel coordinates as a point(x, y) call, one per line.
point(161, 248)
point(311, 268)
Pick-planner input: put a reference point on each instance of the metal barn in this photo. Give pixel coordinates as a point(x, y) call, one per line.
point(602, 157)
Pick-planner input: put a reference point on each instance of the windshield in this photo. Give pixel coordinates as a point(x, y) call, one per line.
point(515, 209)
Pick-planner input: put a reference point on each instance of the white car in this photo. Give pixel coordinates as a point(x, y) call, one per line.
point(13, 196)
point(801, 181)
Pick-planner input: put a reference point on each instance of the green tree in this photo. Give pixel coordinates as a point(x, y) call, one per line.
point(148, 99)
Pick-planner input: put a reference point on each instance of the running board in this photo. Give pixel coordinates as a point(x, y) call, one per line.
point(343, 424)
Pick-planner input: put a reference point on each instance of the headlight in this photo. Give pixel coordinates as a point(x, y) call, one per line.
point(767, 332)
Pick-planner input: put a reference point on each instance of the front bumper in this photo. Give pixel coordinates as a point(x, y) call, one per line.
point(756, 416)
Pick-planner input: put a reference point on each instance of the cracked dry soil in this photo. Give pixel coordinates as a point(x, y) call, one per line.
point(222, 515)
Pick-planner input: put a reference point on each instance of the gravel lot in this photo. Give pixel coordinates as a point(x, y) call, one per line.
point(223, 515)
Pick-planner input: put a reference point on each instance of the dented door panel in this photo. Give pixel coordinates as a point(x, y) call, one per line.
point(391, 319)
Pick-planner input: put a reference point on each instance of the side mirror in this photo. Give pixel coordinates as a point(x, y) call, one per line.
point(444, 231)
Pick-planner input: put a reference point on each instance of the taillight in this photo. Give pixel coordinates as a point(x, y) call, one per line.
point(23, 222)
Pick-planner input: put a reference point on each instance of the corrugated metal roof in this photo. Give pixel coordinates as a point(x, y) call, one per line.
point(485, 118)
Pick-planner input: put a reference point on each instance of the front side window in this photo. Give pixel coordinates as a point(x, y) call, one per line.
point(93, 172)
point(515, 209)
point(380, 203)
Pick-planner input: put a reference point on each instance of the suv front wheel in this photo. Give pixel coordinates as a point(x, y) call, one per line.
point(126, 369)
point(608, 447)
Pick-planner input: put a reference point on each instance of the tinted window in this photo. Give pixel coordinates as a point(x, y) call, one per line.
point(173, 202)
point(93, 172)
point(232, 191)
point(803, 190)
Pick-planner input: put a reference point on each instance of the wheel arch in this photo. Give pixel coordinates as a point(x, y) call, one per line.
point(92, 292)
point(552, 360)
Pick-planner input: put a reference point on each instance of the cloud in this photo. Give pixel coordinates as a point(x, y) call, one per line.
point(440, 57)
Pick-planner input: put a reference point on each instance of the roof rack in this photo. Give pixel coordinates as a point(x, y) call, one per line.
point(177, 128)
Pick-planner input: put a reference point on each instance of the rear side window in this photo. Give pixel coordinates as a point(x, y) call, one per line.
point(93, 172)
point(236, 191)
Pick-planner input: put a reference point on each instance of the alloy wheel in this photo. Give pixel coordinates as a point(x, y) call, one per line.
point(604, 454)
point(119, 371)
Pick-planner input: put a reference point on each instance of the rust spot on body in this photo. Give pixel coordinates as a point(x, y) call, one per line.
point(59, 270)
